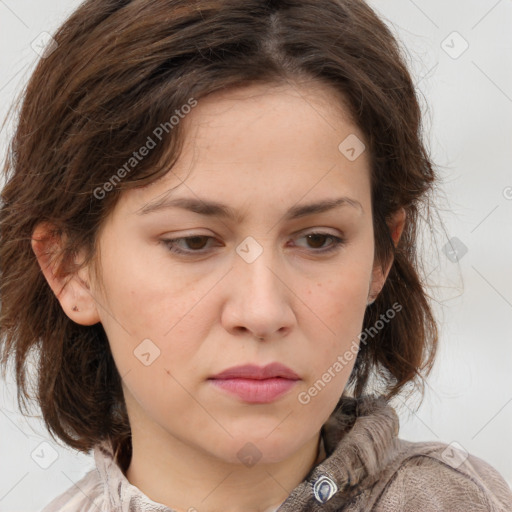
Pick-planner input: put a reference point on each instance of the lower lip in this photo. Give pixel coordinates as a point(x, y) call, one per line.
point(256, 391)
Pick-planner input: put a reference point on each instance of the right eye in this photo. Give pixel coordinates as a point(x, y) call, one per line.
point(195, 244)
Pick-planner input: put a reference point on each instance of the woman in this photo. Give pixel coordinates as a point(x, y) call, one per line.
point(213, 207)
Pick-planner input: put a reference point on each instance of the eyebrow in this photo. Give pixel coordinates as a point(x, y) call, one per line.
point(216, 209)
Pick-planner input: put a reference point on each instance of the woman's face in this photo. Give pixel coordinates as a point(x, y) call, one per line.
point(176, 319)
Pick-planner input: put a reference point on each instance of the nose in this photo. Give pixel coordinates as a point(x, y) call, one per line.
point(259, 300)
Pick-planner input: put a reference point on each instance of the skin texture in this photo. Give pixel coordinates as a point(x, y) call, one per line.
point(259, 150)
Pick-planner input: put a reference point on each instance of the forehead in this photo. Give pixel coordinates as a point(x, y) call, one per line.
point(296, 100)
point(265, 142)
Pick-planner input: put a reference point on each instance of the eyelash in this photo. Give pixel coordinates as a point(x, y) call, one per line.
point(170, 244)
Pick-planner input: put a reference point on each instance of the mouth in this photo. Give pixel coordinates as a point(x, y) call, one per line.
point(254, 384)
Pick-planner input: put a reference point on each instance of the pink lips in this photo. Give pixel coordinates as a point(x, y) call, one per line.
point(256, 384)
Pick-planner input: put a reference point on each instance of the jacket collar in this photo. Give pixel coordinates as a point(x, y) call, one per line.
point(358, 441)
point(361, 439)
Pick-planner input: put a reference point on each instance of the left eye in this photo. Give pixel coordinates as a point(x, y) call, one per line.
point(319, 237)
point(196, 244)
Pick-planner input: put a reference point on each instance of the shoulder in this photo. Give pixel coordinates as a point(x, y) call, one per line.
point(434, 476)
point(85, 495)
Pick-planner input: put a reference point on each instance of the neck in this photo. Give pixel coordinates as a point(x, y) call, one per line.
point(183, 478)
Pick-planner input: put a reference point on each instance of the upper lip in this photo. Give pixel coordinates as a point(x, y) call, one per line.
point(251, 371)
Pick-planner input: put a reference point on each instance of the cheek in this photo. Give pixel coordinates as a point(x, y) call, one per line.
point(163, 396)
point(339, 302)
point(333, 324)
point(154, 326)
point(148, 295)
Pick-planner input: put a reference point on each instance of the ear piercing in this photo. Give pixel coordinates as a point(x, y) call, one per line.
point(75, 308)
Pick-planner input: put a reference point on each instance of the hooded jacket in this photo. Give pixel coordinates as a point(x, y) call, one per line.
point(362, 466)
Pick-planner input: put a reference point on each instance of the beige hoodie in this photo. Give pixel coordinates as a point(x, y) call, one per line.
point(362, 466)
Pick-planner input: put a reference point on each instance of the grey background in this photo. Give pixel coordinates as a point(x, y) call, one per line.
point(469, 130)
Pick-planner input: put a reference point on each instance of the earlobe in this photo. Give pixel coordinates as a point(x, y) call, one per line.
point(72, 291)
point(376, 284)
point(396, 227)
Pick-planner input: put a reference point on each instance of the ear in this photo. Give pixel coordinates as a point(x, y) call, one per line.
point(396, 226)
point(73, 292)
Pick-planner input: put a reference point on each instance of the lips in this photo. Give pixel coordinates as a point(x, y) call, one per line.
point(255, 384)
point(257, 372)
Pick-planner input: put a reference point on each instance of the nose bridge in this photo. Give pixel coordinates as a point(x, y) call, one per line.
point(258, 296)
point(257, 268)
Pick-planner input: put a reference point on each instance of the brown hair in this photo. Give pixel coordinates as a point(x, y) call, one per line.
point(122, 68)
